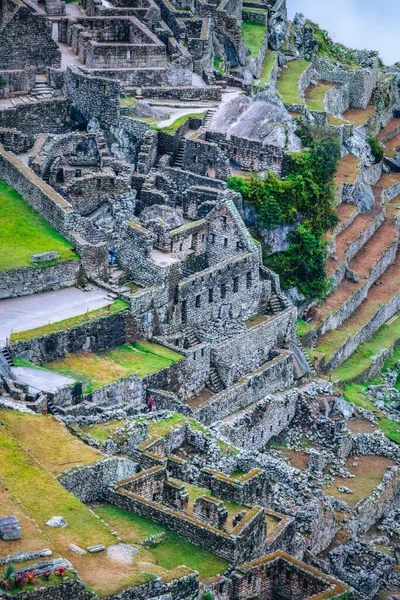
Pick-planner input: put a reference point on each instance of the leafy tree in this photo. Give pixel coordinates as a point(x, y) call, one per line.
point(306, 195)
point(271, 214)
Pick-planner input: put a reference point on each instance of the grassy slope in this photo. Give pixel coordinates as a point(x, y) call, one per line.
point(287, 83)
point(23, 232)
point(94, 315)
point(253, 36)
point(315, 95)
point(385, 337)
point(268, 63)
point(48, 441)
point(172, 552)
point(173, 127)
point(96, 370)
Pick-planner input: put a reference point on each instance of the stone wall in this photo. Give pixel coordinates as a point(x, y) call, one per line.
point(32, 280)
point(26, 40)
point(96, 336)
point(384, 499)
point(281, 576)
point(266, 419)
point(35, 191)
point(246, 352)
point(67, 590)
point(17, 82)
point(247, 539)
point(385, 312)
point(46, 116)
point(90, 483)
point(276, 375)
point(93, 97)
point(183, 93)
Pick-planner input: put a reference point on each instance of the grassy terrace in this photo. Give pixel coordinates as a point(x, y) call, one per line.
point(253, 36)
point(173, 127)
point(361, 360)
point(288, 81)
point(23, 232)
point(94, 315)
point(358, 116)
point(368, 475)
point(268, 63)
point(128, 101)
point(315, 95)
point(97, 370)
point(172, 552)
point(33, 449)
point(102, 431)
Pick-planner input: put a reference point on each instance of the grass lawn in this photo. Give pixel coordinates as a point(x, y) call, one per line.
point(315, 95)
point(172, 552)
point(253, 36)
point(173, 127)
point(23, 232)
point(94, 315)
point(303, 327)
point(287, 83)
point(48, 441)
point(97, 370)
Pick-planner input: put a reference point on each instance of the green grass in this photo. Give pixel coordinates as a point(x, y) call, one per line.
point(128, 101)
point(173, 127)
point(97, 370)
point(303, 327)
point(268, 63)
point(287, 83)
point(315, 95)
point(333, 50)
point(253, 36)
point(172, 552)
point(353, 393)
point(27, 481)
point(385, 337)
point(23, 232)
point(217, 65)
point(88, 317)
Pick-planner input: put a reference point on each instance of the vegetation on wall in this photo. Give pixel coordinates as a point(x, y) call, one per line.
point(376, 149)
point(304, 198)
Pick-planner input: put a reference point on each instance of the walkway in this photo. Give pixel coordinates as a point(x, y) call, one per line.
point(28, 312)
point(40, 380)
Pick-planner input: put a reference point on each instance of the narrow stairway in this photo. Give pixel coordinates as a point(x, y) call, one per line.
point(215, 382)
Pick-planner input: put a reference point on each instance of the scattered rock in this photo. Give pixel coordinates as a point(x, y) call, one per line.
point(44, 257)
point(95, 549)
point(76, 549)
point(57, 522)
point(10, 529)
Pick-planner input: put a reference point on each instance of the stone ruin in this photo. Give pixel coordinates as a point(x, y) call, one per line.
point(120, 122)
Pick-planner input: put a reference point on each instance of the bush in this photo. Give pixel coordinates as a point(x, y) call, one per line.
point(376, 149)
point(306, 198)
point(207, 596)
point(8, 581)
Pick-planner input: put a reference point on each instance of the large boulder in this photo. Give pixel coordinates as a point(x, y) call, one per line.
point(10, 529)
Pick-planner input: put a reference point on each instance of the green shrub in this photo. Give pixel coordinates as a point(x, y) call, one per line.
point(2, 82)
point(207, 596)
point(376, 149)
point(306, 198)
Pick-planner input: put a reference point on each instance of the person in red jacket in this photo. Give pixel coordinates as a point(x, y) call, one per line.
point(150, 402)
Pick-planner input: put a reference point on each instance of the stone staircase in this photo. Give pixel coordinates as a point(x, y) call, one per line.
point(278, 303)
point(178, 162)
point(41, 90)
point(191, 339)
point(7, 355)
point(208, 116)
point(116, 280)
point(214, 381)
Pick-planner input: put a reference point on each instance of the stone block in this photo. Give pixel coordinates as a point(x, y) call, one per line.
point(10, 529)
point(57, 522)
point(44, 257)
